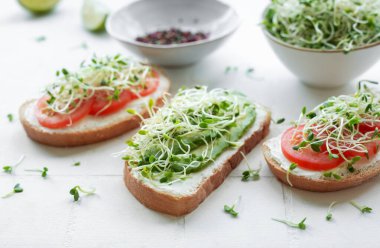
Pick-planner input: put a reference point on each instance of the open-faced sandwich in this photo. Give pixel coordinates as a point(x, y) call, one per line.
point(88, 105)
point(332, 147)
point(187, 148)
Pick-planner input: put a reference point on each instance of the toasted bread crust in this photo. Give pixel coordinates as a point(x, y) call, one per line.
point(178, 206)
point(80, 138)
point(318, 185)
point(93, 135)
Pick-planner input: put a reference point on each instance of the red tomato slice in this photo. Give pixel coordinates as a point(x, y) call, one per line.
point(368, 127)
point(306, 158)
point(54, 120)
point(372, 148)
point(151, 84)
point(101, 101)
point(103, 106)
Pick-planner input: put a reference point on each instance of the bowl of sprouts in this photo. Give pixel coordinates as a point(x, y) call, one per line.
point(325, 43)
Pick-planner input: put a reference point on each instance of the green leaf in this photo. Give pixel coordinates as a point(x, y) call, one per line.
point(203, 125)
point(310, 137)
point(131, 111)
point(17, 188)
point(301, 225)
point(152, 159)
point(336, 176)
point(8, 169)
point(332, 155)
point(316, 146)
point(292, 166)
point(281, 120)
point(40, 38)
point(151, 103)
point(329, 216)
point(10, 117)
point(311, 115)
point(303, 111)
point(231, 210)
point(65, 72)
point(363, 209)
point(142, 132)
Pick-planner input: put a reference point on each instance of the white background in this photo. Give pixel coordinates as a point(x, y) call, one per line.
point(44, 215)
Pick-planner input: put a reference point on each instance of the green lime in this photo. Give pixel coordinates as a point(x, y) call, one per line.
point(38, 6)
point(94, 15)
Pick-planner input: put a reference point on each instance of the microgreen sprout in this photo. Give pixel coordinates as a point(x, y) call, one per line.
point(301, 225)
point(11, 168)
point(363, 209)
point(43, 171)
point(324, 24)
point(291, 168)
point(16, 189)
point(250, 173)
point(280, 121)
point(110, 75)
point(188, 133)
point(250, 70)
point(231, 209)
point(84, 45)
point(329, 211)
point(229, 69)
point(10, 117)
point(76, 163)
point(40, 38)
point(335, 125)
point(332, 174)
point(75, 192)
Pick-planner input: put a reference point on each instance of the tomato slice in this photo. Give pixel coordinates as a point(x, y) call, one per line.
point(372, 148)
point(54, 120)
point(151, 84)
point(101, 101)
point(306, 158)
point(103, 106)
point(369, 126)
point(319, 161)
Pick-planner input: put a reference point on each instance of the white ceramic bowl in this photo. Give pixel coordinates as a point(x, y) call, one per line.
point(325, 69)
point(141, 17)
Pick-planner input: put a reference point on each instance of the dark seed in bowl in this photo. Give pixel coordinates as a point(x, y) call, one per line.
point(172, 36)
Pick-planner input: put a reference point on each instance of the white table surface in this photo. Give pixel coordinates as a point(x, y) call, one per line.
point(44, 215)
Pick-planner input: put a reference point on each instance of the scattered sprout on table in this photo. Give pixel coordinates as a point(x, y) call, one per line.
point(301, 225)
point(43, 171)
point(75, 192)
point(329, 211)
point(250, 173)
point(40, 38)
point(11, 168)
point(364, 209)
point(16, 189)
point(10, 117)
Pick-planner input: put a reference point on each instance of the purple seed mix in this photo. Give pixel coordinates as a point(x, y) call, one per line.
point(171, 36)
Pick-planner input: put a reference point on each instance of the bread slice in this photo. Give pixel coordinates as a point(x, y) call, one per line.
point(315, 183)
point(91, 129)
point(183, 197)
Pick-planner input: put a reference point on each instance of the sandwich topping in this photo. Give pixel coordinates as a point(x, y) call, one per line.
point(189, 133)
point(101, 87)
point(342, 131)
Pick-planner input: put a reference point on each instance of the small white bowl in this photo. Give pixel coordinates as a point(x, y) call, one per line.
point(145, 16)
point(325, 68)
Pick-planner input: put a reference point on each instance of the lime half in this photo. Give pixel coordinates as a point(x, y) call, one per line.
point(94, 15)
point(38, 6)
